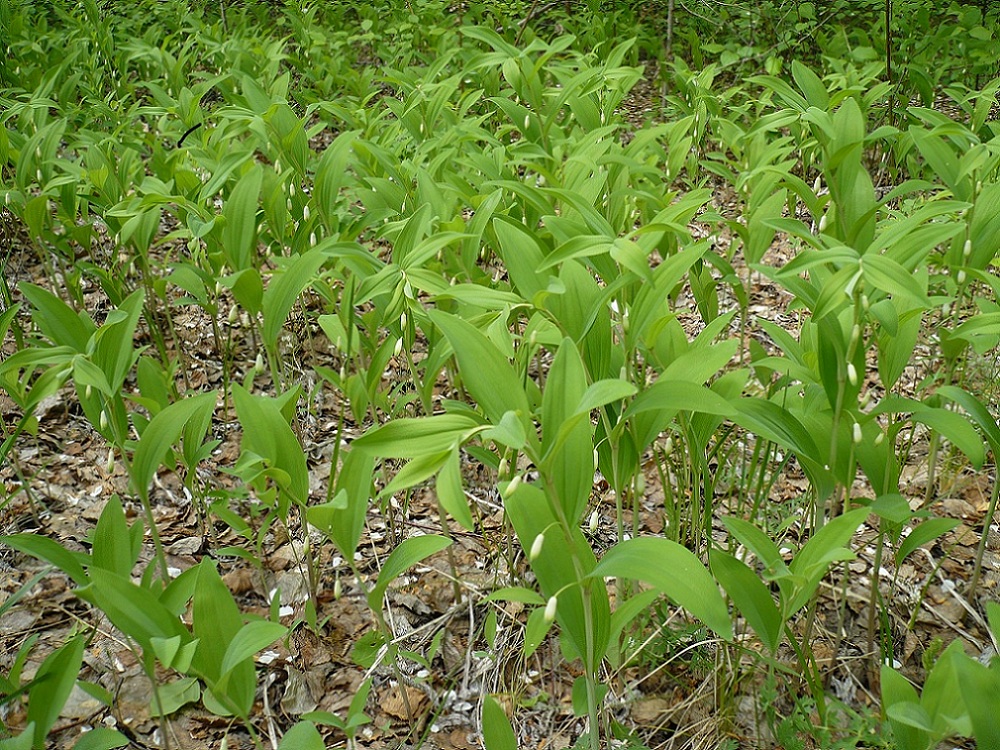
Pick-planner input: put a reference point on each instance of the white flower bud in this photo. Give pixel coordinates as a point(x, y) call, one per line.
point(291, 189)
point(865, 304)
point(527, 121)
point(104, 420)
point(512, 485)
point(817, 184)
point(597, 459)
point(879, 438)
point(852, 373)
point(338, 589)
point(502, 468)
point(536, 547)
point(398, 348)
point(88, 391)
point(312, 239)
point(550, 609)
point(967, 250)
point(305, 212)
point(857, 434)
point(640, 484)
point(822, 223)
point(855, 334)
point(258, 364)
point(594, 520)
point(110, 466)
point(961, 276)
point(234, 313)
point(668, 446)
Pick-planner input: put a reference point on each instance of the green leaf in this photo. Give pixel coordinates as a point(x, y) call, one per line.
point(406, 555)
point(175, 695)
point(343, 520)
point(567, 444)
point(980, 687)
point(268, 435)
point(284, 289)
point(52, 685)
point(814, 559)
point(414, 437)
point(57, 320)
point(491, 379)
point(810, 85)
point(604, 392)
point(217, 621)
point(516, 594)
point(450, 493)
point(49, 550)
point(302, 736)
point(926, 532)
point(679, 395)
point(162, 432)
point(101, 738)
point(750, 596)
point(239, 233)
point(498, 734)
point(134, 610)
point(110, 550)
point(535, 631)
point(673, 570)
point(250, 639)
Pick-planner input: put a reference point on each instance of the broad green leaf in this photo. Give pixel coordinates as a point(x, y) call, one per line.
point(450, 493)
point(535, 631)
point(239, 233)
point(111, 550)
point(250, 639)
point(57, 320)
point(52, 685)
point(810, 85)
point(927, 531)
point(42, 547)
point(302, 736)
point(268, 435)
point(134, 610)
point(285, 288)
point(516, 594)
point(679, 395)
point(101, 738)
point(174, 695)
point(979, 688)
point(897, 692)
point(162, 432)
point(217, 622)
point(604, 392)
point(826, 546)
point(673, 570)
point(532, 513)
point(491, 379)
point(567, 453)
point(344, 521)
point(405, 556)
point(420, 436)
point(751, 597)
point(777, 424)
point(889, 276)
point(498, 734)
